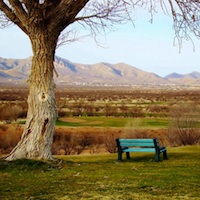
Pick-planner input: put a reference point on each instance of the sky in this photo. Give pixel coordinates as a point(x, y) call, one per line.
point(146, 46)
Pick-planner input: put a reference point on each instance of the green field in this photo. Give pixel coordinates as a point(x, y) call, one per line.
point(102, 177)
point(116, 122)
point(145, 122)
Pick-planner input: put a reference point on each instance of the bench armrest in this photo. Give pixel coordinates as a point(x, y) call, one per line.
point(162, 148)
point(125, 148)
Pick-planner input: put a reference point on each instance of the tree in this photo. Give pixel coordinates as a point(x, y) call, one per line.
point(43, 21)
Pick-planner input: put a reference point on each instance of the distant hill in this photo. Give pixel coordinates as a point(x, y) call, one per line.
point(174, 75)
point(192, 78)
point(18, 70)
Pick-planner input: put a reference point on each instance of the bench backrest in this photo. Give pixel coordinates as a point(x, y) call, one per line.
point(137, 142)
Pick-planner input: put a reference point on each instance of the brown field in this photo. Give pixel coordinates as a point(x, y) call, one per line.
point(115, 102)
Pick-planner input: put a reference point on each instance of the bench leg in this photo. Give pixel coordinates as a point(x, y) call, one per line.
point(157, 156)
point(119, 156)
point(128, 155)
point(165, 154)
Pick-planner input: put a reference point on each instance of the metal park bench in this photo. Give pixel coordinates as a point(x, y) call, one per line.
point(140, 145)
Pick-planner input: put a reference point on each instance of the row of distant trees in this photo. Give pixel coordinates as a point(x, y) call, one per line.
point(12, 111)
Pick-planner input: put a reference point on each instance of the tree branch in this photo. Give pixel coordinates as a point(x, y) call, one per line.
point(19, 11)
point(97, 16)
point(11, 15)
point(186, 17)
point(29, 4)
point(64, 13)
point(100, 17)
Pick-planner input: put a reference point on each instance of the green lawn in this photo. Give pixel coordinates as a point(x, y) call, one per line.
point(96, 177)
point(117, 122)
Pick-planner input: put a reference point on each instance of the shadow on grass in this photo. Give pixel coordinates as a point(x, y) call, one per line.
point(32, 165)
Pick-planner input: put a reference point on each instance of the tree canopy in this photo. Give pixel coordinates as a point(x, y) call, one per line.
point(97, 16)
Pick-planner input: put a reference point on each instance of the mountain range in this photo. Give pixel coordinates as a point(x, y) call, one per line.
point(18, 70)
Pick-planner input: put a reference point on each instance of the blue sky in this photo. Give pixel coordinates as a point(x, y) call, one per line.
point(147, 46)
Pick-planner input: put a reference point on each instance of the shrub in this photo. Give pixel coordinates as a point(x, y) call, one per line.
point(183, 127)
point(110, 143)
point(9, 137)
point(71, 142)
point(10, 112)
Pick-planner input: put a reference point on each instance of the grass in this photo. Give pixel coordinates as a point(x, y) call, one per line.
point(96, 177)
point(116, 122)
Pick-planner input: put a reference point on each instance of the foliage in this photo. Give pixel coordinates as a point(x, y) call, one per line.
point(103, 177)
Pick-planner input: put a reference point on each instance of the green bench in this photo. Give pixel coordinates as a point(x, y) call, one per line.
point(140, 145)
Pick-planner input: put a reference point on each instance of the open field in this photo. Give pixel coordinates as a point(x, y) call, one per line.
point(113, 122)
point(102, 177)
point(89, 119)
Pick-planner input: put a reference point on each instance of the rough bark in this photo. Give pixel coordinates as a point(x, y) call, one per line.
point(38, 134)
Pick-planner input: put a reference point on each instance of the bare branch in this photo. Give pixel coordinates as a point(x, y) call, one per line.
point(186, 17)
point(69, 37)
point(9, 15)
point(29, 5)
point(98, 16)
point(19, 11)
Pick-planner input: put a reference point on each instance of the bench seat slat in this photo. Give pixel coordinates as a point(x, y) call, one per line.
point(139, 150)
point(136, 140)
point(133, 144)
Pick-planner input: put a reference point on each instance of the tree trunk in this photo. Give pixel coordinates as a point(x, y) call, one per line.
point(38, 133)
